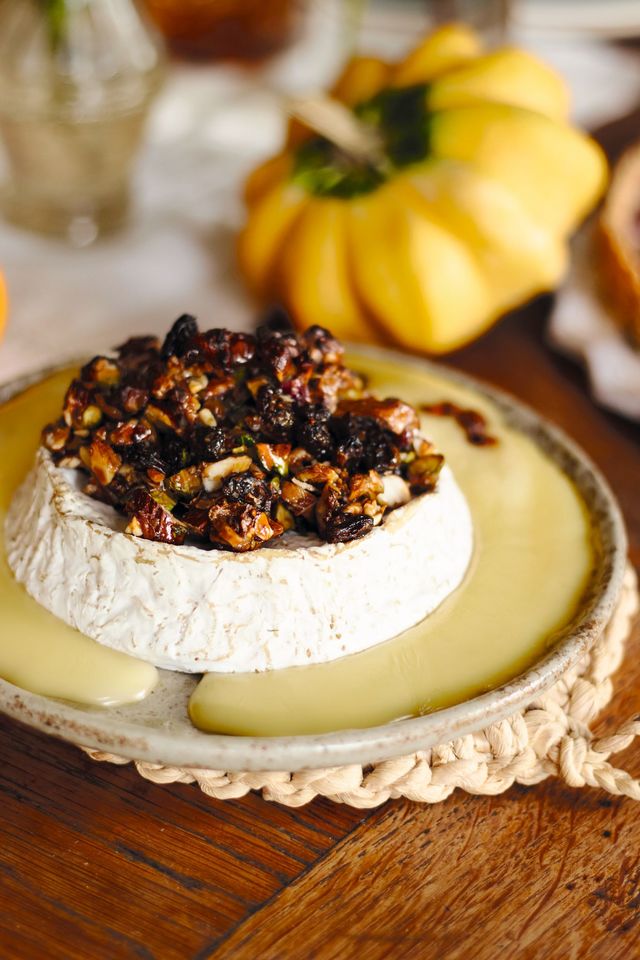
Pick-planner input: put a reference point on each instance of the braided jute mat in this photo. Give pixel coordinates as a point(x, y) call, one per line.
point(551, 737)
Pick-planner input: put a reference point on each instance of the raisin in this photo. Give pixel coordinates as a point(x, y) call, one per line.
point(276, 413)
point(144, 456)
point(181, 333)
point(343, 527)
point(277, 318)
point(363, 444)
point(211, 443)
point(221, 348)
point(244, 487)
point(173, 453)
point(313, 431)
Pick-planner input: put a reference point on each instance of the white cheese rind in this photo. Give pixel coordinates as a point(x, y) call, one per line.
point(297, 601)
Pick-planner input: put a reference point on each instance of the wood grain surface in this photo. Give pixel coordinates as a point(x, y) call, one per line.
point(97, 863)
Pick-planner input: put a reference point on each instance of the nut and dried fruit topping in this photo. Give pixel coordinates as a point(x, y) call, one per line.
point(230, 440)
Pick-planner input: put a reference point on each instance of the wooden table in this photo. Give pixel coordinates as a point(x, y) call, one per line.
point(98, 863)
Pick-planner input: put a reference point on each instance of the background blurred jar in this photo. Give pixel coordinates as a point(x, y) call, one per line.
point(76, 81)
point(245, 30)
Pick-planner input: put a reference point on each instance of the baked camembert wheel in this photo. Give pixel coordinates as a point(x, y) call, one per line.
point(233, 503)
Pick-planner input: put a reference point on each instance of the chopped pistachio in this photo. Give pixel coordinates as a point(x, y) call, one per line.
point(187, 483)
point(163, 498)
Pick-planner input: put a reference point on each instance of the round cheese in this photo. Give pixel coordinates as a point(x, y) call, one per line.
point(295, 601)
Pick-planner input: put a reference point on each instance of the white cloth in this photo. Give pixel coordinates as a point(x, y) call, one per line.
point(581, 326)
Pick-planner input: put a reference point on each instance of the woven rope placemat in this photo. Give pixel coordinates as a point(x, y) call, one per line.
point(551, 737)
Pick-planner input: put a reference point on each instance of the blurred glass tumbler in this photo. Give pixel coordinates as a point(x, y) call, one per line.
point(76, 81)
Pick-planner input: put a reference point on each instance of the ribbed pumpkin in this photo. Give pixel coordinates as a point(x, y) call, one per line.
point(462, 214)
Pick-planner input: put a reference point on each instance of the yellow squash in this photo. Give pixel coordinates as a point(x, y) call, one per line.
point(462, 213)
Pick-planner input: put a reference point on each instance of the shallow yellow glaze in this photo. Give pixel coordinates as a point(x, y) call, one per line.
point(38, 651)
point(532, 560)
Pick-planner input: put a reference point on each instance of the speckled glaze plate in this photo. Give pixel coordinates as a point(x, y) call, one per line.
point(158, 729)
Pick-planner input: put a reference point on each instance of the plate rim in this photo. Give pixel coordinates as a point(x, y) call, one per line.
point(96, 728)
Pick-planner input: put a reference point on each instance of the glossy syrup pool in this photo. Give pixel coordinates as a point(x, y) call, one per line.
point(533, 556)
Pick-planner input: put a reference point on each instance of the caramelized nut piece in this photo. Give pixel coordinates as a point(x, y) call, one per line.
point(395, 415)
point(274, 457)
point(206, 417)
point(76, 401)
point(55, 436)
point(152, 519)
point(91, 416)
point(101, 370)
point(317, 474)
point(241, 526)
point(159, 417)
point(297, 499)
point(103, 462)
point(214, 473)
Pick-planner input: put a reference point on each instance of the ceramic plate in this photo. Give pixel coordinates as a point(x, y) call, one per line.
point(158, 729)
